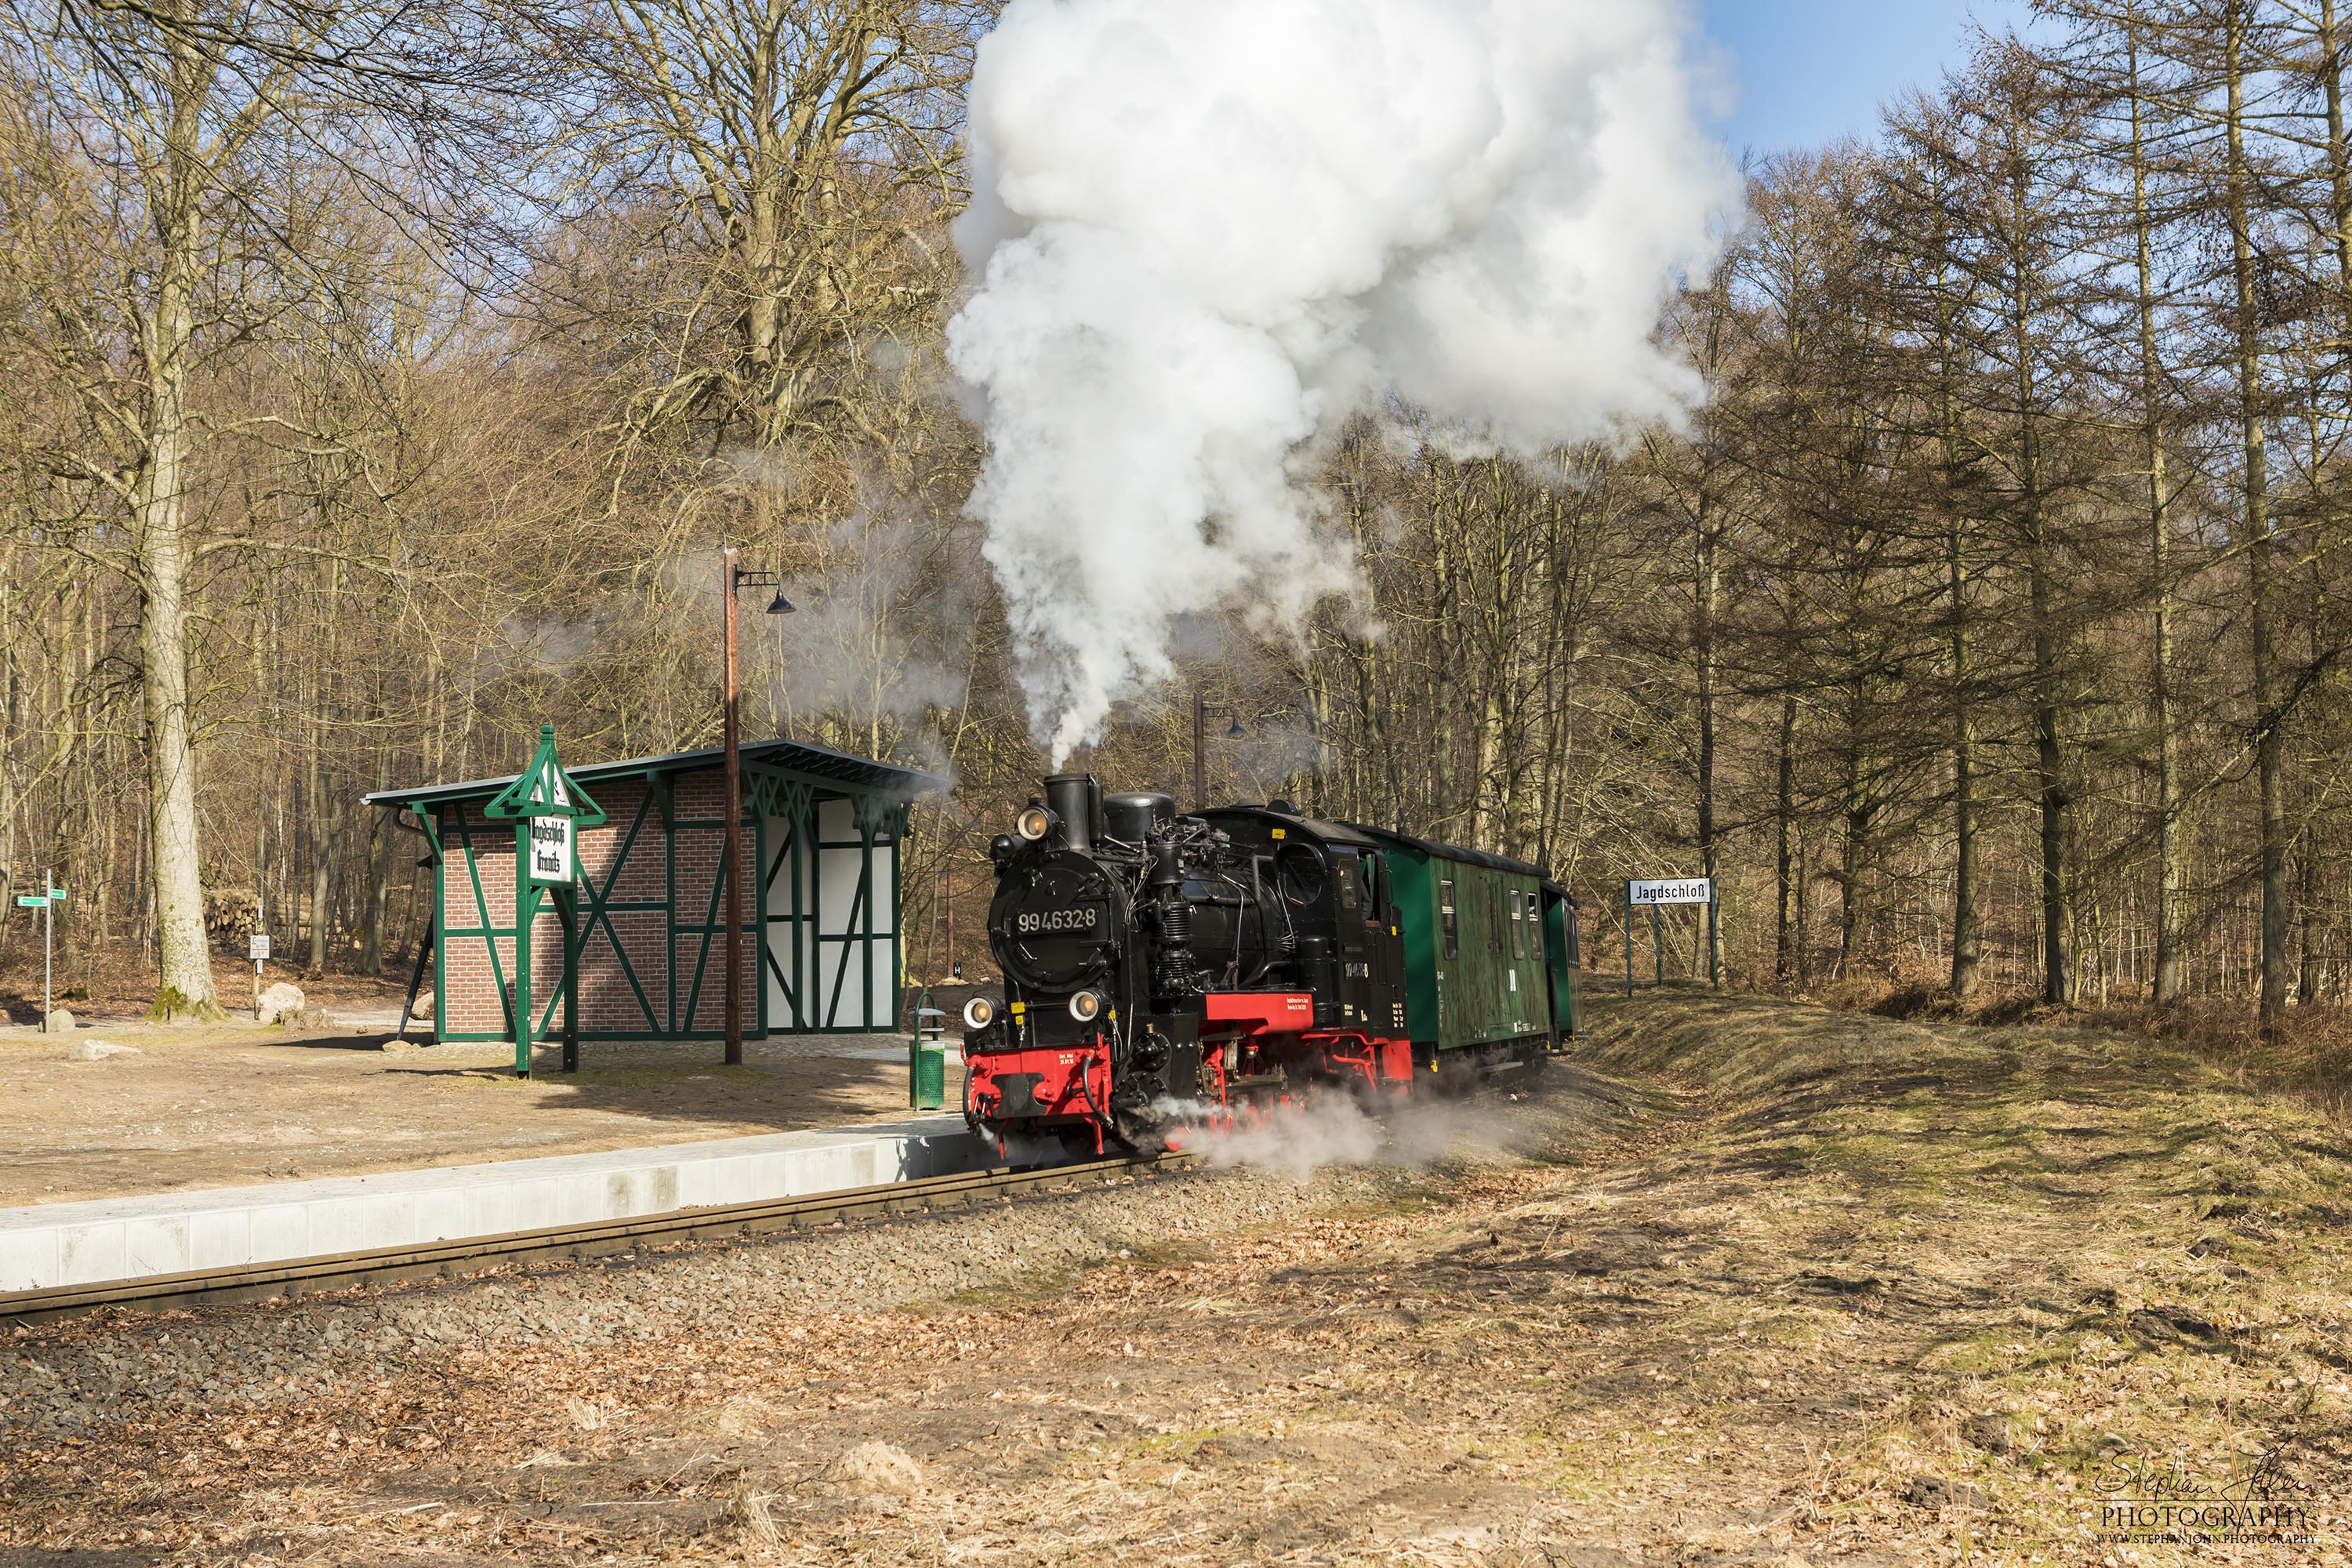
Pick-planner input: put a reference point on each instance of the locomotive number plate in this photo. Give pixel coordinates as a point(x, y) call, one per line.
point(1081, 917)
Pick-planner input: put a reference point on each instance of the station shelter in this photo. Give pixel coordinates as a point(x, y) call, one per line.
point(821, 828)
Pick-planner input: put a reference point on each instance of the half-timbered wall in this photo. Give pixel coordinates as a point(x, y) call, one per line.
point(830, 895)
point(826, 896)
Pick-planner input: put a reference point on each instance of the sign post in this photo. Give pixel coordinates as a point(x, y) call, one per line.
point(256, 948)
point(547, 808)
point(46, 901)
point(1658, 892)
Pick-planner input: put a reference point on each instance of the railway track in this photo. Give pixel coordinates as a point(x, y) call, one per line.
point(464, 1256)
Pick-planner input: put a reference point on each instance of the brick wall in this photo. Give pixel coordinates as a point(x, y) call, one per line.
point(663, 962)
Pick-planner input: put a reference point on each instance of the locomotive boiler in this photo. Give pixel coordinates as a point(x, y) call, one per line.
point(1161, 969)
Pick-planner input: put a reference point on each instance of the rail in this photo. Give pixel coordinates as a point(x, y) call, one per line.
point(459, 1257)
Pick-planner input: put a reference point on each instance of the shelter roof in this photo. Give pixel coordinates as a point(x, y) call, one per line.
point(836, 770)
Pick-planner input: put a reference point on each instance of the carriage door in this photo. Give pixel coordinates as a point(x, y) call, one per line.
point(1384, 926)
point(1353, 940)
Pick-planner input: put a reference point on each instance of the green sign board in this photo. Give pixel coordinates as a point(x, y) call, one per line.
point(31, 901)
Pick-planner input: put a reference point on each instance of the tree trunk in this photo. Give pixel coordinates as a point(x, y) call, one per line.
point(2339, 158)
point(321, 852)
point(2172, 882)
point(161, 520)
point(1784, 887)
point(2269, 755)
point(1710, 586)
point(2049, 759)
point(1853, 863)
point(1967, 921)
point(1804, 911)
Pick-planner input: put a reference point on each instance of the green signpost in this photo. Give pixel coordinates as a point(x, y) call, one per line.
point(547, 808)
point(46, 902)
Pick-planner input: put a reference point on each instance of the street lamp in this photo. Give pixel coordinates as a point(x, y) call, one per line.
point(736, 579)
point(1201, 709)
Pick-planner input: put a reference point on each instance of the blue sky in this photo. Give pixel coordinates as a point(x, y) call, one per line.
point(1807, 71)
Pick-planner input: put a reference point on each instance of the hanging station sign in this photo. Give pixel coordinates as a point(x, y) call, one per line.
point(554, 845)
point(548, 807)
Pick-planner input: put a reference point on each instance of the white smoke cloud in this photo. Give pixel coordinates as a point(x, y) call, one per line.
point(1298, 1137)
point(1208, 233)
point(882, 626)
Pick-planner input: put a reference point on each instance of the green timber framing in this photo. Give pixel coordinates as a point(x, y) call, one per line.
point(806, 806)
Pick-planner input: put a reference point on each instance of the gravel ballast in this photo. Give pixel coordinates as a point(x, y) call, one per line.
point(71, 1377)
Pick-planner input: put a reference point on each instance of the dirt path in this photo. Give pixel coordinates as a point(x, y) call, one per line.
point(1765, 1285)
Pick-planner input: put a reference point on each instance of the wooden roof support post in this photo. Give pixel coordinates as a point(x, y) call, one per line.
point(727, 855)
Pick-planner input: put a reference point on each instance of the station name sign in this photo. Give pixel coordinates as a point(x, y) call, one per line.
point(552, 841)
point(1671, 891)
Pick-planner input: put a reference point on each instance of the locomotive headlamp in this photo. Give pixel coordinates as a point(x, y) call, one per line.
point(979, 1012)
point(1086, 1006)
point(1034, 823)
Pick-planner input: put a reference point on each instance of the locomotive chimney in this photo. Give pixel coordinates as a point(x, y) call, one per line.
point(1076, 799)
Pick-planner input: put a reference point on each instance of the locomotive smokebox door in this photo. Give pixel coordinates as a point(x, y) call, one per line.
point(1055, 923)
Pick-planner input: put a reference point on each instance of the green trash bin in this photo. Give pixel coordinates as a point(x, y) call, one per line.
point(927, 1059)
point(927, 1075)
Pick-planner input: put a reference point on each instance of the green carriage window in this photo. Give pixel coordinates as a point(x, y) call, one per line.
point(1518, 932)
point(1446, 917)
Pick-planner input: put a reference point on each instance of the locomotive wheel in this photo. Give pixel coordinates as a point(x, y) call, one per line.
point(1139, 1134)
point(1078, 1142)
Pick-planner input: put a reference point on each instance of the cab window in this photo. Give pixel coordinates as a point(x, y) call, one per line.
point(1376, 897)
point(1445, 925)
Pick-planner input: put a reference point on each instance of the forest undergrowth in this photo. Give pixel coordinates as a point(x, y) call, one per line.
point(2304, 1052)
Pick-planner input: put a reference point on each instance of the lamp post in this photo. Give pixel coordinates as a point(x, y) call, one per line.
point(1201, 709)
point(737, 578)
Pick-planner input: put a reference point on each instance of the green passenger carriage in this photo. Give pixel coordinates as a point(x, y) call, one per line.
point(1489, 949)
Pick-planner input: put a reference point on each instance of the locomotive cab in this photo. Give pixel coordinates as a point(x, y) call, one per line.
point(1329, 923)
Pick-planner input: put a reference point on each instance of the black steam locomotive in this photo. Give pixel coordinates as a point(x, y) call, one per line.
point(1161, 969)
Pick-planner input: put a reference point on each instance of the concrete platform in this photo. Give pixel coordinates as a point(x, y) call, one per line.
point(109, 1239)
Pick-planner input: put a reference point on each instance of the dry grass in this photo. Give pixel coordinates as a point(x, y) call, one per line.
point(2305, 1051)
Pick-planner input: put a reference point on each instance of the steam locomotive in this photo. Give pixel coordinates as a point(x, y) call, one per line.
point(1161, 970)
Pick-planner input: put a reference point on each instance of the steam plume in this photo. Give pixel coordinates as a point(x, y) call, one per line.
point(1207, 232)
point(1298, 1138)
